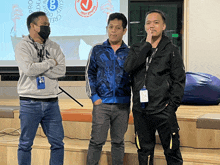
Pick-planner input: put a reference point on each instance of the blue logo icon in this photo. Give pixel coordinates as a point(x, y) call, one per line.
point(52, 5)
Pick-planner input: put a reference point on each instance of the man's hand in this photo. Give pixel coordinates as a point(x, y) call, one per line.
point(149, 36)
point(97, 102)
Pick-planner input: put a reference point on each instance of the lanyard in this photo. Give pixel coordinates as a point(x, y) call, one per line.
point(40, 53)
point(148, 61)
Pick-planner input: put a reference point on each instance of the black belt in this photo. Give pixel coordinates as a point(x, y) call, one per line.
point(42, 100)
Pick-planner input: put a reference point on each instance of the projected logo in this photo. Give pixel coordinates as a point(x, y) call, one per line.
point(86, 8)
point(52, 5)
point(52, 8)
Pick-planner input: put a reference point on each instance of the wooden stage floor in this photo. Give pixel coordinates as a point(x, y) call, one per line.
point(199, 146)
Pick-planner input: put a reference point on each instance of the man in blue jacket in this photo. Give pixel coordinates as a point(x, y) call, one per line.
point(108, 86)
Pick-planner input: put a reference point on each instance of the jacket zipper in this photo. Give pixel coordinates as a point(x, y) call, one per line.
point(114, 78)
point(115, 58)
point(168, 84)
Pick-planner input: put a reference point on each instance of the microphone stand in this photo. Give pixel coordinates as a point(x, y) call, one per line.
point(69, 96)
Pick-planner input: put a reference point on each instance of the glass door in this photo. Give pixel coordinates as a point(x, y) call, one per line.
point(174, 16)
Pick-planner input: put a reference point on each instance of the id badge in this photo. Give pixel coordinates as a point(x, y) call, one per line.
point(40, 83)
point(144, 95)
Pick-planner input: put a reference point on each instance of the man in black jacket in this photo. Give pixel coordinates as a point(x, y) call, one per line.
point(158, 80)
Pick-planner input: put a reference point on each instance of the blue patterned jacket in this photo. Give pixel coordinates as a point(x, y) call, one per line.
point(105, 75)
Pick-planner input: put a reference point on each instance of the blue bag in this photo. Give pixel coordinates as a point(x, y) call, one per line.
point(201, 89)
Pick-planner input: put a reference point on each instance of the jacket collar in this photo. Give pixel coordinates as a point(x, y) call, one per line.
point(27, 38)
point(107, 44)
point(163, 42)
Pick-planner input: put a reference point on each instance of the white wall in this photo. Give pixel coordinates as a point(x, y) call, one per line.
point(204, 36)
point(124, 10)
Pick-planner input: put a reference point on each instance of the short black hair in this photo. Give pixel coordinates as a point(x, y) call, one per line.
point(159, 12)
point(33, 16)
point(118, 16)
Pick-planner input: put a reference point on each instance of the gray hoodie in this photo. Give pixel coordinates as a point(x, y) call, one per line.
point(30, 68)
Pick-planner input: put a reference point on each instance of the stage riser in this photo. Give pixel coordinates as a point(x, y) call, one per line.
point(40, 156)
point(190, 136)
point(75, 152)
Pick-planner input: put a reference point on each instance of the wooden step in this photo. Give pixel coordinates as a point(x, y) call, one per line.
point(78, 124)
point(76, 151)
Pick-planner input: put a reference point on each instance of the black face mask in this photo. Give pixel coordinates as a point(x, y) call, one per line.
point(44, 32)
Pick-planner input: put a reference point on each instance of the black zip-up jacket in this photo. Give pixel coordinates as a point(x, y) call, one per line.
point(165, 78)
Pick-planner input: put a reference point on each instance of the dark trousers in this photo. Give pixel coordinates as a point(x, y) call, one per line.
point(105, 116)
point(166, 124)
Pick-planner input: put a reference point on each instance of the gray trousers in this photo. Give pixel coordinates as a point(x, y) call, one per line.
point(105, 116)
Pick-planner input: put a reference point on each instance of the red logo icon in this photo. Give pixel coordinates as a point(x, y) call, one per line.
point(86, 8)
point(86, 5)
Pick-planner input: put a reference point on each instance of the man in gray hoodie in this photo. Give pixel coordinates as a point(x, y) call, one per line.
point(40, 62)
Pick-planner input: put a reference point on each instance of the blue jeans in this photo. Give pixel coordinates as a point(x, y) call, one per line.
point(48, 115)
point(105, 116)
